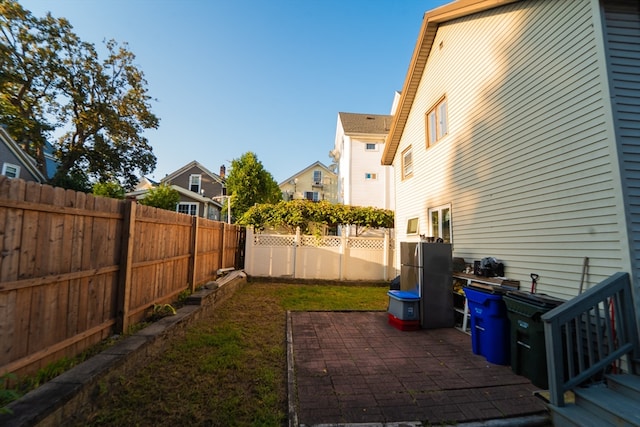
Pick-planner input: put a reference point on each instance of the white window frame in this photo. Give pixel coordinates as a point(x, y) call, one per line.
point(413, 226)
point(443, 213)
point(6, 167)
point(191, 208)
point(318, 175)
point(367, 146)
point(370, 176)
point(437, 122)
point(407, 165)
point(195, 180)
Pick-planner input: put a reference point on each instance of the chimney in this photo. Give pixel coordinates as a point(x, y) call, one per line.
point(222, 171)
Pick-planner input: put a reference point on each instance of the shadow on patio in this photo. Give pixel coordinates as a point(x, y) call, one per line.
point(353, 367)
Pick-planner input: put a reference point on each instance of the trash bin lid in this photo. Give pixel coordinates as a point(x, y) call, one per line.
point(404, 295)
point(541, 300)
point(489, 289)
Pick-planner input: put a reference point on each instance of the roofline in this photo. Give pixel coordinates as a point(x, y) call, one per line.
point(27, 161)
point(312, 165)
point(193, 163)
point(430, 22)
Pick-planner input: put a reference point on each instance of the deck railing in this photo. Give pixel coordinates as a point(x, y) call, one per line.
point(593, 334)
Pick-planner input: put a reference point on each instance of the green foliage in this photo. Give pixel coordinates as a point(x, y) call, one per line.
point(305, 213)
point(248, 183)
point(52, 80)
point(108, 189)
point(162, 197)
point(7, 395)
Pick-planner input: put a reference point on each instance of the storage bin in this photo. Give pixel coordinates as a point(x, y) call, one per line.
point(404, 305)
point(528, 349)
point(489, 325)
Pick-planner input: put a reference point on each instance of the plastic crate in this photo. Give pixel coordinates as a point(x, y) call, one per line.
point(403, 325)
point(404, 305)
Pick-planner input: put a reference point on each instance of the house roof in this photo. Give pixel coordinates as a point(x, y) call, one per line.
point(311, 166)
point(190, 165)
point(356, 123)
point(27, 161)
point(430, 22)
point(187, 193)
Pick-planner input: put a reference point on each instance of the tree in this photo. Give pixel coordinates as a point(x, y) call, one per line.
point(163, 197)
point(111, 189)
point(52, 80)
point(248, 183)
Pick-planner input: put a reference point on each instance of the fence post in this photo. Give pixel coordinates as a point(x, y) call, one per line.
point(296, 243)
point(191, 275)
point(385, 255)
point(126, 261)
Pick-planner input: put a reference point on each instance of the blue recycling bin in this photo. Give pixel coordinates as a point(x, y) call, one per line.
point(490, 326)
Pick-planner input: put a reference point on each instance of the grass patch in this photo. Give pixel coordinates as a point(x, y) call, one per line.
point(228, 369)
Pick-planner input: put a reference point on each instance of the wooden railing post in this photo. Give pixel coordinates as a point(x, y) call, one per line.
point(126, 261)
point(193, 259)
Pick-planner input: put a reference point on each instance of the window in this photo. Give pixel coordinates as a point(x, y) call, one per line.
point(10, 171)
point(371, 147)
point(407, 163)
point(194, 183)
point(311, 195)
point(437, 122)
point(370, 176)
point(317, 177)
point(412, 226)
point(440, 222)
point(188, 208)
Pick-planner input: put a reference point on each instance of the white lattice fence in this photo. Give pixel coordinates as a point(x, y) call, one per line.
point(326, 257)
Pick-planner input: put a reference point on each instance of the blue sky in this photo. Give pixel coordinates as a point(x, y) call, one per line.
point(268, 76)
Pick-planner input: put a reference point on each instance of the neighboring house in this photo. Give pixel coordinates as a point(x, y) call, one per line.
point(315, 182)
point(517, 136)
point(202, 192)
point(15, 163)
point(146, 183)
point(359, 143)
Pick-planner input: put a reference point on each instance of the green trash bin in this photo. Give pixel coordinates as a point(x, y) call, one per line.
point(528, 350)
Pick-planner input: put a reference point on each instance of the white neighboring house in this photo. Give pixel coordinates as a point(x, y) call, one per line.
point(362, 179)
point(316, 182)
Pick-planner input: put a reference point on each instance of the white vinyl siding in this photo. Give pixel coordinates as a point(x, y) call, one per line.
point(526, 164)
point(622, 40)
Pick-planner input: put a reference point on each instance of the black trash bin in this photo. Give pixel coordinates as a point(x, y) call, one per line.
point(528, 350)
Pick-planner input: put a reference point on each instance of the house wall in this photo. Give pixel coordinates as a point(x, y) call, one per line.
point(210, 186)
point(374, 192)
point(7, 156)
point(622, 42)
point(527, 164)
point(326, 189)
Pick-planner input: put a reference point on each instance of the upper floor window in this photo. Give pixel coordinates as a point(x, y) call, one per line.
point(371, 147)
point(195, 182)
point(407, 163)
point(317, 177)
point(440, 222)
point(437, 122)
point(370, 176)
point(10, 171)
point(188, 208)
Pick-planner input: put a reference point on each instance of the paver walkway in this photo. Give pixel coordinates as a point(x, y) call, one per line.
point(353, 367)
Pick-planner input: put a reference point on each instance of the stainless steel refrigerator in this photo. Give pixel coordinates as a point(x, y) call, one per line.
point(426, 269)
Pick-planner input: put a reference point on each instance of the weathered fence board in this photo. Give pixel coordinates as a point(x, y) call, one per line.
point(75, 268)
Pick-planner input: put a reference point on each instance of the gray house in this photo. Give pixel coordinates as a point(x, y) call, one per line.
point(15, 163)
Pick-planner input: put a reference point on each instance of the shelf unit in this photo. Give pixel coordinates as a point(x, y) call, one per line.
point(460, 304)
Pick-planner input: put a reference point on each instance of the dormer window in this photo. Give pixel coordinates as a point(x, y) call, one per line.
point(195, 182)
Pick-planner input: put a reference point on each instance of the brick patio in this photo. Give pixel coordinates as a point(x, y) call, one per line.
point(353, 367)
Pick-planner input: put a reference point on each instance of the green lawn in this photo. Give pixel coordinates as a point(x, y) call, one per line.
point(230, 368)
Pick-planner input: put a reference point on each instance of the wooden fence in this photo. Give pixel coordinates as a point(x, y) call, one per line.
point(75, 268)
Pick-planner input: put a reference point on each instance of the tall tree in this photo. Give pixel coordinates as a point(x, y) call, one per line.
point(249, 183)
point(52, 80)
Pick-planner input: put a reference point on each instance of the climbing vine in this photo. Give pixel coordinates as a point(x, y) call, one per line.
point(305, 214)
